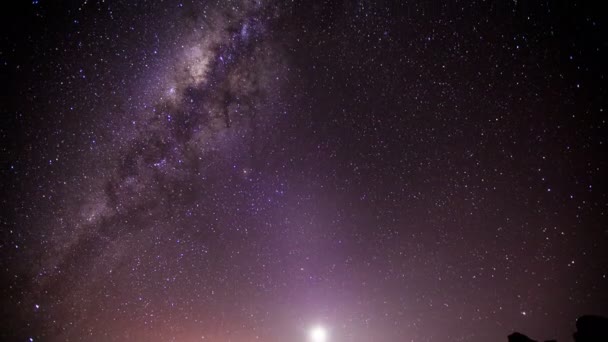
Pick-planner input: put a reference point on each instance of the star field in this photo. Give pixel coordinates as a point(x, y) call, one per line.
point(255, 170)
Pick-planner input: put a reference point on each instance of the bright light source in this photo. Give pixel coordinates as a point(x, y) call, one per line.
point(318, 334)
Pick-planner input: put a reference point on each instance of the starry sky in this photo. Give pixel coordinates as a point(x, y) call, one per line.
point(244, 170)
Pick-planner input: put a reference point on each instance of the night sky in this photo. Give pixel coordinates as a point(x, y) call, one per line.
point(258, 170)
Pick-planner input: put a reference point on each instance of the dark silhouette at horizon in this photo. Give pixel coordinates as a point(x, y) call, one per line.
point(589, 328)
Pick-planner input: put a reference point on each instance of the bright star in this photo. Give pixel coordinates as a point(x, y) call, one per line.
point(318, 334)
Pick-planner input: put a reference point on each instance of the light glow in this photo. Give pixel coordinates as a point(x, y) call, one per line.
point(318, 334)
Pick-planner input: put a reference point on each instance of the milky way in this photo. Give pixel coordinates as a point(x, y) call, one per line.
point(286, 171)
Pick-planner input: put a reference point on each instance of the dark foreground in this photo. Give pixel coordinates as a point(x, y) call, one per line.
point(588, 329)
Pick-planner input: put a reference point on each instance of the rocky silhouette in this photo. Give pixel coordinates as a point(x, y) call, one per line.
point(518, 337)
point(589, 328)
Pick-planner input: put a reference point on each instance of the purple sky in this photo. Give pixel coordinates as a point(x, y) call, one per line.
point(246, 170)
